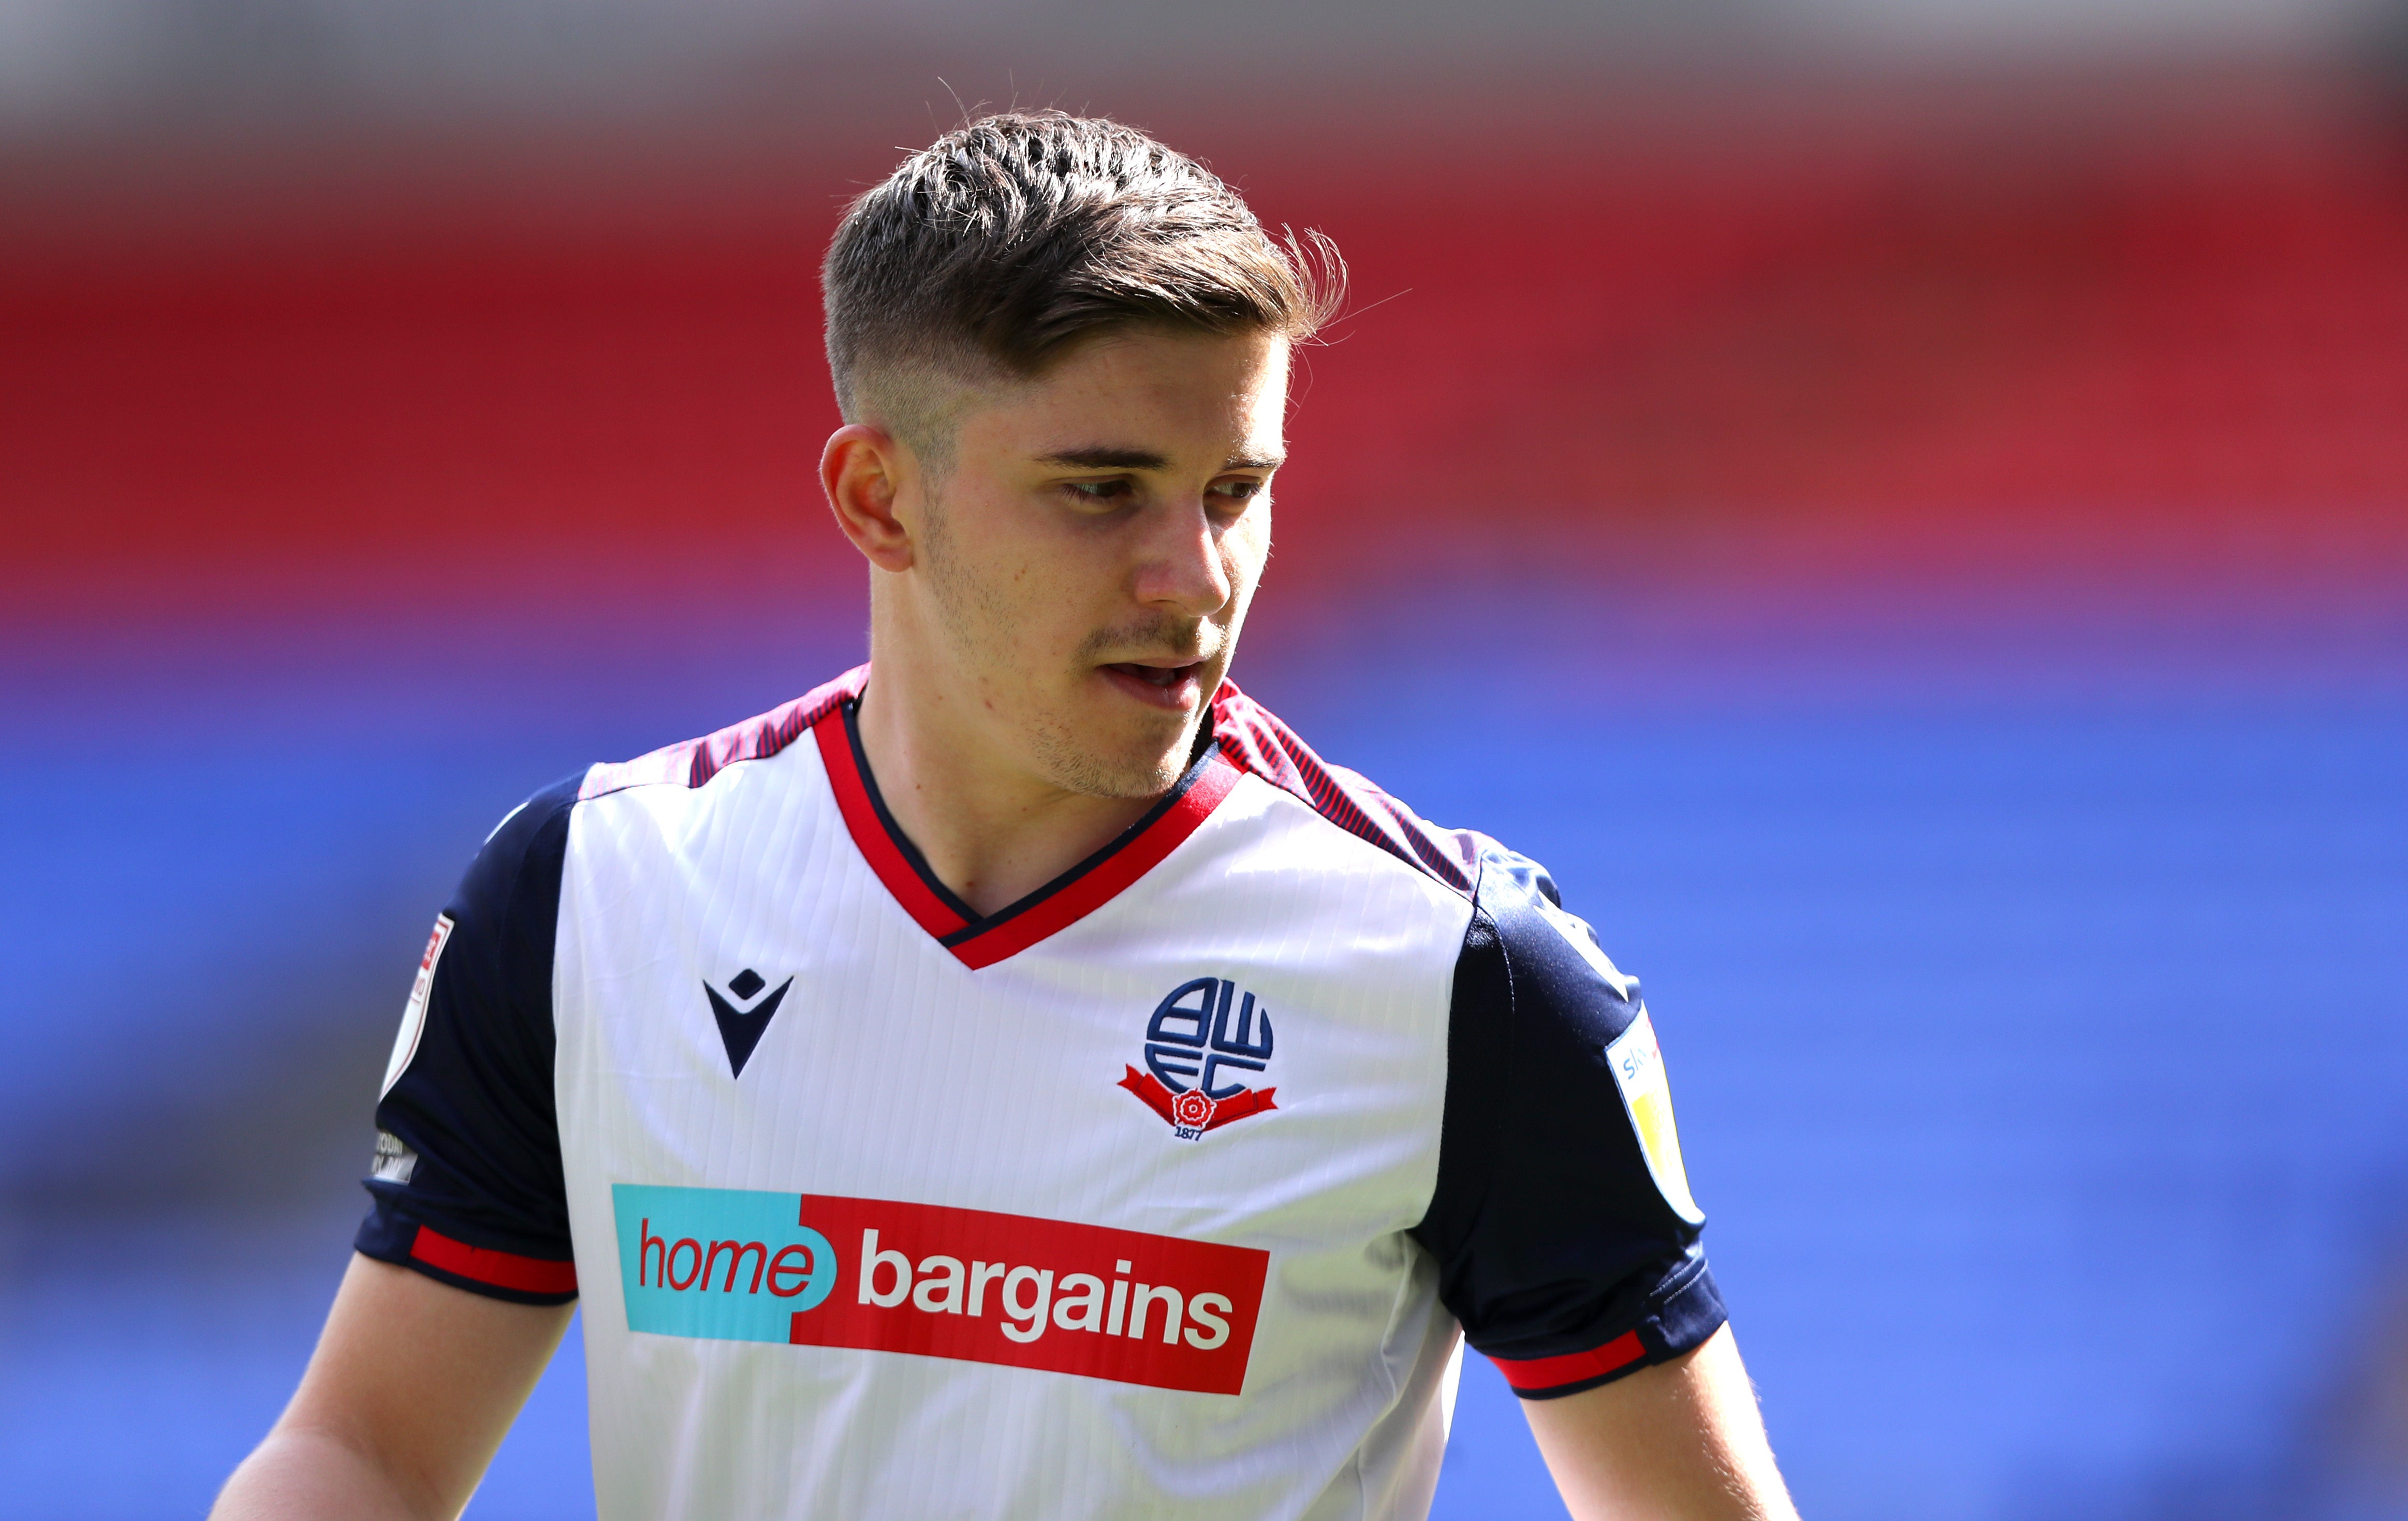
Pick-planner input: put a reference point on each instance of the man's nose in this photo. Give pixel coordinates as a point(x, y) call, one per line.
point(1183, 570)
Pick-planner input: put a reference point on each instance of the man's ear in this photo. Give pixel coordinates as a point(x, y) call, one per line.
point(865, 471)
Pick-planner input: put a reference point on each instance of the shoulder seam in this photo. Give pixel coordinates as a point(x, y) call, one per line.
point(517, 867)
point(692, 762)
point(1345, 799)
point(1385, 853)
point(1495, 1139)
point(563, 810)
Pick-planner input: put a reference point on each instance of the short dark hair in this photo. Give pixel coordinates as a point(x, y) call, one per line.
point(996, 248)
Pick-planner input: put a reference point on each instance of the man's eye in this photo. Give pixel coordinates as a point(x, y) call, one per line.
point(1098, 491)
point(1238, 491)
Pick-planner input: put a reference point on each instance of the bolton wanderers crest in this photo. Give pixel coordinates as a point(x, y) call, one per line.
point(1205, 1036)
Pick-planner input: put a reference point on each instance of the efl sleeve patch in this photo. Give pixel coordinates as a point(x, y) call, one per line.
point(1638, 1065)
point(469, 1143)
point(414, 1013)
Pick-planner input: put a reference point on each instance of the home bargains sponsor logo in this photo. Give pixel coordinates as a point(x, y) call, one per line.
point(883, 1276)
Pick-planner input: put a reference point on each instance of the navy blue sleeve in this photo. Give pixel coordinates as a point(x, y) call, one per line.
point(468, 1184)
point(1566, 1240)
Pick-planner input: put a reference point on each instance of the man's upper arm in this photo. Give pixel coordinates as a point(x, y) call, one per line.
point(1565, 1237)
point(411, 1389)
point(1566, 1240)
point(1678, 1442)
point(467, 1185)
point(465, 1273)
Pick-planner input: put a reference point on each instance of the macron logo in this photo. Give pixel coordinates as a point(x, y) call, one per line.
point(738, 1265)
point(741, 1023)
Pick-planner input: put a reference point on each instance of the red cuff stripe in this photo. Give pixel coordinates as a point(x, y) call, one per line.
point(1573, 1366)
point(502, 1270)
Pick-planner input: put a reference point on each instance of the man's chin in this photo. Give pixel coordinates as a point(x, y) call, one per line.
point(1136, 777)
point(1141, 761)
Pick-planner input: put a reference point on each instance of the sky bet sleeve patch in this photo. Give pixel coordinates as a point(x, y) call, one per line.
point(807, 1270)
point(1638, 1065)
point(1565, 1233)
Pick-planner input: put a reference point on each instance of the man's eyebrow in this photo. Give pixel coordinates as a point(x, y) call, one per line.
point(1104, 458)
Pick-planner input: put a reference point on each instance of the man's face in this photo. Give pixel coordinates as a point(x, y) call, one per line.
point(1091, 549)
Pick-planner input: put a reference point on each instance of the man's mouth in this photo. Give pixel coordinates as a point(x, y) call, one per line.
point(1176, 687)
point(1161, 676)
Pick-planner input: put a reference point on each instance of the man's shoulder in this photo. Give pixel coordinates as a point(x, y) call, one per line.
point(1253, 740)
point(1518, 915)
point(690, 764)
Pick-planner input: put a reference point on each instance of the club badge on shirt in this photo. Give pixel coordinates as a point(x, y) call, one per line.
point(1202, 1032)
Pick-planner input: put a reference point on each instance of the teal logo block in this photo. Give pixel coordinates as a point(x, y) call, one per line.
point(727, 1264)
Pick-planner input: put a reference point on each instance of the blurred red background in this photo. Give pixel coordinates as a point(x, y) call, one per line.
point(2144, 322)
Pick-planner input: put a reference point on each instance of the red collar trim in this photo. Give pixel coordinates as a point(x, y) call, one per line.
point(982, 941)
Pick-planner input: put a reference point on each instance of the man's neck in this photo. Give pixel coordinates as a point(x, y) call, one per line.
point(990, 831)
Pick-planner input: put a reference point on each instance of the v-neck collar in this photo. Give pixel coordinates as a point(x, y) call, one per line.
point(981, 940)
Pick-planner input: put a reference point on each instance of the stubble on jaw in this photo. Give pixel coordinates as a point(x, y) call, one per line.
point(1080, 767)
point(973, 609)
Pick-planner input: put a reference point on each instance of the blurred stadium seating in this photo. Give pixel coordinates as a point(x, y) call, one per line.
point(1916, 536)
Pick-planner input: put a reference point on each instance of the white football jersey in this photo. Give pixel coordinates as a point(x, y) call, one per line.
point(1162, 1192)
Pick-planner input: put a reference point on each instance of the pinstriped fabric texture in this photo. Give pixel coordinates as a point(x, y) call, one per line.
point(893, 1071)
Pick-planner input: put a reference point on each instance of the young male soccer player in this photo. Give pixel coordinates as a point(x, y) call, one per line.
point(1019, 1078)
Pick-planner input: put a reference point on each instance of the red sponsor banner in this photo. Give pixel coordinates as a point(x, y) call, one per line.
point(1030, 1292)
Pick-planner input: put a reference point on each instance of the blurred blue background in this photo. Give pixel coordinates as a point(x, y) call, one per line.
point(1903, 507)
